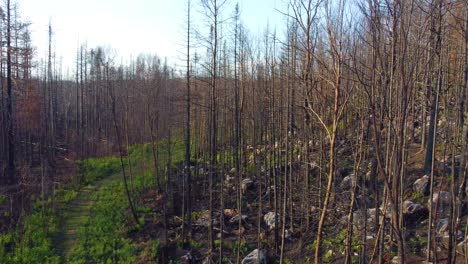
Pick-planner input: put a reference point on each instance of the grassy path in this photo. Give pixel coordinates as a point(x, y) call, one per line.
point(76, 214)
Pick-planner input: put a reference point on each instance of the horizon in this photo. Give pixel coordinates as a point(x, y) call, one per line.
point(127, 28)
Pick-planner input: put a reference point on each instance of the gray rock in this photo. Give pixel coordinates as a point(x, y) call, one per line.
point(441, 200)
point(388, 212)
point(270, 218)
point(235, 219)
point(414, 212)
point(229, 178)
point(288, 235)
point(442, 227)
point(255, 257)
point(204, 220)
point(247, 184)
point(187, 258)
point(421, 185)
point(359, 219)
point(348, 182)
point(396, 260)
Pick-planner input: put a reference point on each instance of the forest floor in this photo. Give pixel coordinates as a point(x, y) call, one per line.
point(75, 216)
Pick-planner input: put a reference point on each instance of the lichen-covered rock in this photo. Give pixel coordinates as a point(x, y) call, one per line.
point(396, 260)
point(204, 219)
point(442, 227)
point(230, 212)
point(270, 220)
point(421, 185)
point(187, 258)
point(255, 257)
point(247, 184)
point(414, 212)
point(348, 182)
point(235, 219)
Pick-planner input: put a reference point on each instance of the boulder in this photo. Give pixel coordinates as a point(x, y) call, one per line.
point(270, 218)
point(359, 219)
point(342, 172)
point(204, 220)
point(247, 184)
point(441, 200)
point(442, 227)
point(396, 260)
point(421, 185)
point(235, 219)
point(187, 258)
point(229, 178)
point(230, 212)
point(288, 235)
point(255, 257)
point(414, 212)
point(388, 211)
point(270, 190)
point(348, 182)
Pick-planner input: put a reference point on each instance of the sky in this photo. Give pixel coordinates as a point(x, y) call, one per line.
point(130, 27)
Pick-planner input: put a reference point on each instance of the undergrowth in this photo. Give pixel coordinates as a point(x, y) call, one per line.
point(33, 240)
point(103, 236)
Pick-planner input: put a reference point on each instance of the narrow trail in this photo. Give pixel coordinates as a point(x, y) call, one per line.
point(76, 214)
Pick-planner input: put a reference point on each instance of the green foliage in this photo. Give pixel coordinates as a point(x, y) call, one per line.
point(98, 168)
point(195, 245)
point(155, 250)
point(311, 247)
point(328, 256)
point(416, 244)
point(32, 241)
point(3, 200)
point(242, 246)
point(64, 196)
point(152, 252)
point(197, 214)
point(417, 197)
point(226, 259)
point(102, 238)
point(217, 243)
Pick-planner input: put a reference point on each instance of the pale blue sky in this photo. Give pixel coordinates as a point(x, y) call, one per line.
point(130, 26)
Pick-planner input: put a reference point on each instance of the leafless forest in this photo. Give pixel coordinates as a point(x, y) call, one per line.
point(342, 139)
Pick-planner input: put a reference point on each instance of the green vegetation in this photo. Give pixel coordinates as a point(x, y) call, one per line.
point(98, 168)
point(32, 241)
point(103, 236)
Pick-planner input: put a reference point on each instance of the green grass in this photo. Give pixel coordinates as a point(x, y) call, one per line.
point(33, 240)
point(102, 236)
point(98, 168)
